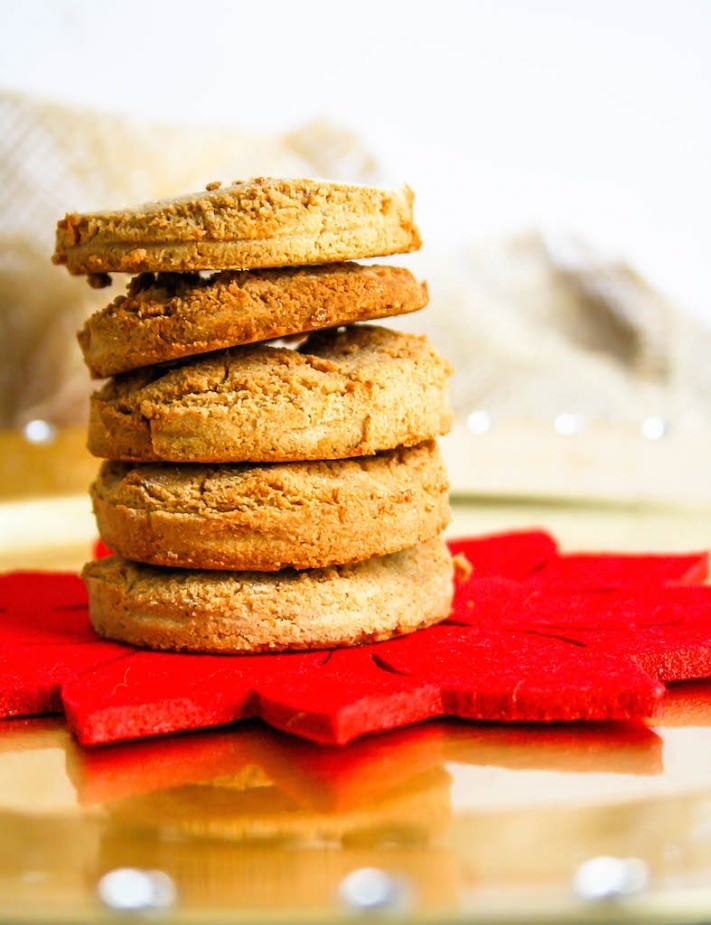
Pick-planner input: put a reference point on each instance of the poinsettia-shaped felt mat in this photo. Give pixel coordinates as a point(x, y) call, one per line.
point(534, 636)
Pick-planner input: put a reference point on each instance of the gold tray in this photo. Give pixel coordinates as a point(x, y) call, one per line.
point(461, 822)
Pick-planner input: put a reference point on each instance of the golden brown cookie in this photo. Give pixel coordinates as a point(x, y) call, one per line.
point(269, 517)
point(173, 315)
point(343, 393)
point(232, 612)
point(250, 224)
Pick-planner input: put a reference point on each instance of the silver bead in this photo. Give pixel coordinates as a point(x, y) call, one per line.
point(479, 422)
point(569, 424)
point(654, 428)
point(369, 889)
point(606, 878)
point(39, 431)
point(128, 889)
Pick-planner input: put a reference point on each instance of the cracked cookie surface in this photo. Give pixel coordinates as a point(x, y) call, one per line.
point(241, 612)
point(173, 315)
point(263, 222)
point(269, 517)
point(345, 393)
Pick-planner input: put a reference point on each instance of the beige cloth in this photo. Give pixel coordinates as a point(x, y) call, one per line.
point(537, 326)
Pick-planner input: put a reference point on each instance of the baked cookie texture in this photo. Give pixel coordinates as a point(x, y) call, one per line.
point(260, 498)
point(341, 394)
point(256, 223)
point(270, 517)
point(170, 315)
point(234, 612)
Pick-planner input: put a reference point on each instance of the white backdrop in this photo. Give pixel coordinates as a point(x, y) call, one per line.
point(589, 115)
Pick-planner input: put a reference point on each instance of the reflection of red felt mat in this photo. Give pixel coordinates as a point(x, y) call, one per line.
point(534, 636)
point(333, 779)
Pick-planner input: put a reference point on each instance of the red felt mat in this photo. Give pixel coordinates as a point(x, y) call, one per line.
point(534, 636)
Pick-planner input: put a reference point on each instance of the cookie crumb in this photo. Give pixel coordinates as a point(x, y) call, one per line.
point(214, 184)
point(98, 280)
point(462, 567)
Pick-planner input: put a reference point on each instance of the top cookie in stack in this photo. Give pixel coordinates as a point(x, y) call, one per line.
point(249, 225)
point(261, 497)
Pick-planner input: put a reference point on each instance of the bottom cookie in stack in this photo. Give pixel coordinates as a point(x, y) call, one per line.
point(233, 612)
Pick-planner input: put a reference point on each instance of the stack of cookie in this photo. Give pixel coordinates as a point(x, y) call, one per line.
point(262, 497)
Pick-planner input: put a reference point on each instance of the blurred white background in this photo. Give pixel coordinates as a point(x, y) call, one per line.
point(585, 115)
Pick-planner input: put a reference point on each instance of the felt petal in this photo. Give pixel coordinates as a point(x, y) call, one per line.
point(513, 555)
point(350, 695)
point(31, 677)
point(152, 693)
point(512, 676)
point(605, 571)
point(43, 607)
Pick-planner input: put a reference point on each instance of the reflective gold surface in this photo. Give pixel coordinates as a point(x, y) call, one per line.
point(61, 467)
point(252, 823)
point(485, 823)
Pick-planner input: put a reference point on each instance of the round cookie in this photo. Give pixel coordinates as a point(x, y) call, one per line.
point(240, 612)
point(344, 393)
point(172, 315)
point(270, 517)
point(250, 224)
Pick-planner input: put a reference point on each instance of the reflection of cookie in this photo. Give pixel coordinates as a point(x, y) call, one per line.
point(350, 393)
point(269, 517)
point(412, 813)
point(173, 315)
point(205, 611)
point(253, 223)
